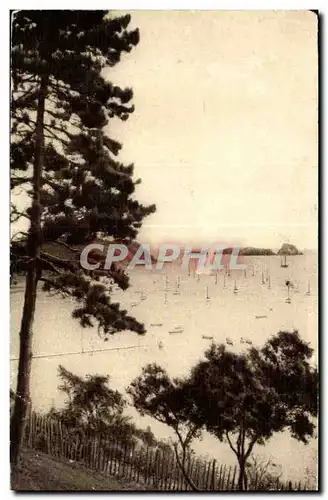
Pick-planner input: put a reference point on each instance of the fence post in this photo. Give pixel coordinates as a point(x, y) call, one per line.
point(160, 470)
point(145, 467)
point(61, 451)
point(50, 437)
point(228, 480)
point(148, 464)
point(207, 475)
point(155, 468)
point(213, 475)
point(197, 473)
point(233, 477)
point(219, 478)
point(134, 470)
point(167, 472)
point(223, 477)
point(111, 459)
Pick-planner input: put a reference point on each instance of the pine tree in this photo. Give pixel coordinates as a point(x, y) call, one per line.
point(64, 161)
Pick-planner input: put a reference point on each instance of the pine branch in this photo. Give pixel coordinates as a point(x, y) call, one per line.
point(19, 233)
point(16, 214)
point(21, 100)
point(69, 247)
point(17, 181)
point(56, 116)
point(49, 266)
point(61, 263)
point(53, 136)
point(52, 284)
point(62, 131)
point(26, 120)
point(31, 78)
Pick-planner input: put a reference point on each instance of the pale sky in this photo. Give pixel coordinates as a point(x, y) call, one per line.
point(224, 135)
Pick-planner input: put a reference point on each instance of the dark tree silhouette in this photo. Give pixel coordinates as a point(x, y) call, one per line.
point(64, 161)
point(241, 398)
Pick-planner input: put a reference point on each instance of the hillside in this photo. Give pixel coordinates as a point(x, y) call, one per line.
point(40, 472)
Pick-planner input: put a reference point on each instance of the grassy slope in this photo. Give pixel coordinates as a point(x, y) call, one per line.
point(40, 472)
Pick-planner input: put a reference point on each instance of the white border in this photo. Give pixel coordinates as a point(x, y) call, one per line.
point(4, 184)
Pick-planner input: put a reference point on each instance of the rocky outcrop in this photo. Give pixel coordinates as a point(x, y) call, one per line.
point(288, 249)
point(256, 251)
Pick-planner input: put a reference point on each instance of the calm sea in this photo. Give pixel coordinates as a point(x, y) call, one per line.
point(184, 306)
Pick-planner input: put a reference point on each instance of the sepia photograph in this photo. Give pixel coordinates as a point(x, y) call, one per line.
point(164, 327)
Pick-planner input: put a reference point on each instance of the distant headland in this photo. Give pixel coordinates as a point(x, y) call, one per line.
point(286, 249)
point(57, 250)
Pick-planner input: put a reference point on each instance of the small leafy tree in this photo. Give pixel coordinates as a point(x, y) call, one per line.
point(241, 398)
point(90, 403)
point(170, 402)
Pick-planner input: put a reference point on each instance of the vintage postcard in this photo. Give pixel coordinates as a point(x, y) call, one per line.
point(164, 250)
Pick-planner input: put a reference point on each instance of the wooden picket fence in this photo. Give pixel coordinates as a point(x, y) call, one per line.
point(155, 468)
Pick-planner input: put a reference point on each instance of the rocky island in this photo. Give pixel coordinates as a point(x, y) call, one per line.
point(288, 249)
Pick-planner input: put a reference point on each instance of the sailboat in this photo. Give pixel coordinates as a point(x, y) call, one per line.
point(177, 287)
point(284, 264)
point(309, 289)
point(288, 300)
point(176, 329)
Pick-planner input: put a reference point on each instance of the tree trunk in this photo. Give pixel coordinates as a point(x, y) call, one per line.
point(22, 398)
point(181, 465)
point(242, 476)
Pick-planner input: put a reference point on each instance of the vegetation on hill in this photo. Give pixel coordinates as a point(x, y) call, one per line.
point(92, 407)
point(41, 472)
point(91, 431)
point(241, 398)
